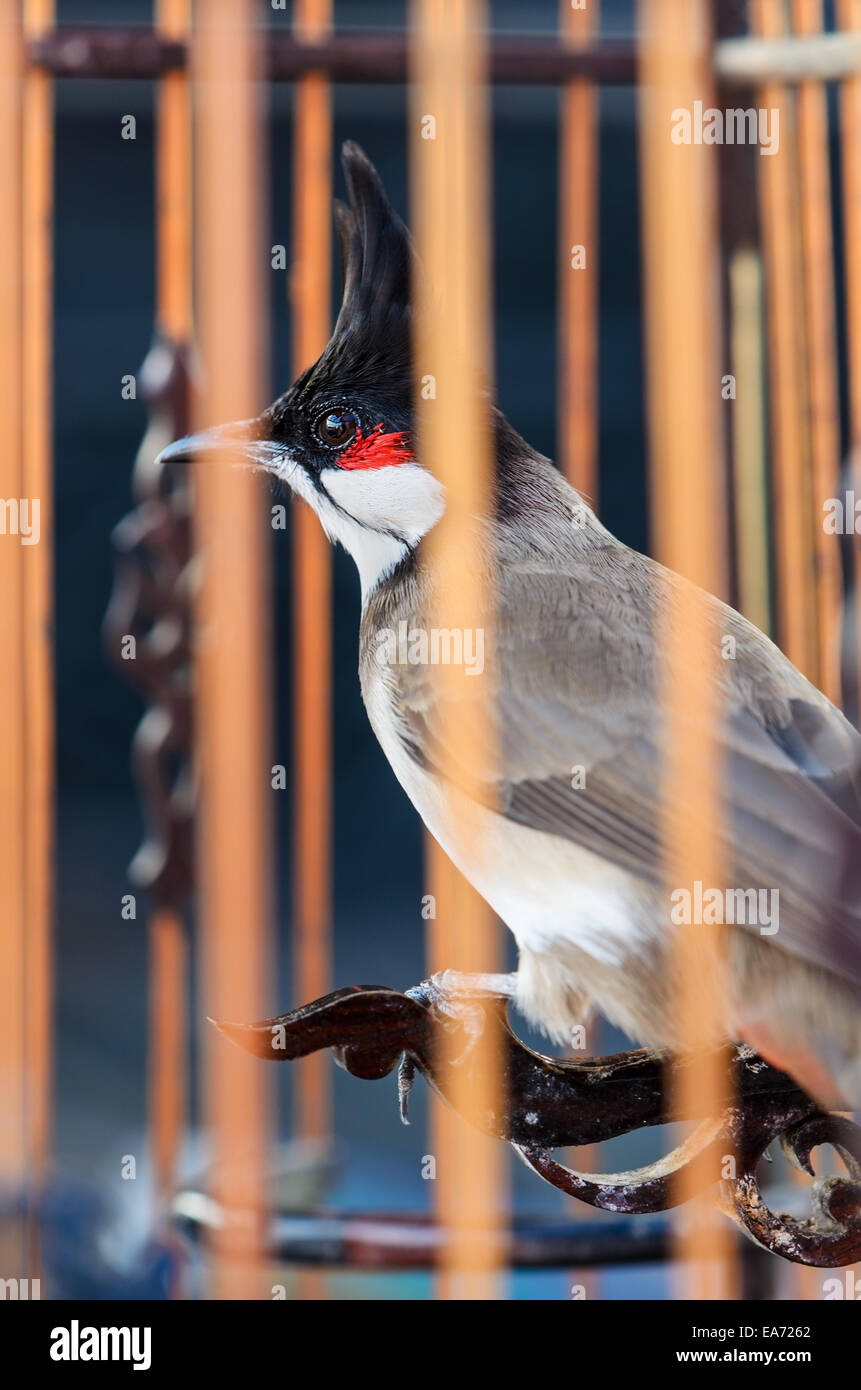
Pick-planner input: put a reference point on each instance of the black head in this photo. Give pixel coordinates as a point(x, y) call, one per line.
point(360, 388)
point(362, 382)
point(342, 436)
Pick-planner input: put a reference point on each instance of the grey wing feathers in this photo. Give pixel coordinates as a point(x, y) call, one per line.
point(574, 668)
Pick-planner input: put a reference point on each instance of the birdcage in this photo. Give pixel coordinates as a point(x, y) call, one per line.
point(751, 272)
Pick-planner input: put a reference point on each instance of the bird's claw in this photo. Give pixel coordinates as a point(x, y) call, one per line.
point(406, 1078)
point(456, 1001)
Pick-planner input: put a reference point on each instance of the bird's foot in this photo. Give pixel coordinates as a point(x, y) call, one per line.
point(447, 989)
point(406, 1078)
point(455, 996)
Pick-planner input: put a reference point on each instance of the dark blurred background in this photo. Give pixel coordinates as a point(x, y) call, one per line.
point(104, 318)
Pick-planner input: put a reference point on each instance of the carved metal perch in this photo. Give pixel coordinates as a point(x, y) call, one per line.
point(552, 1103)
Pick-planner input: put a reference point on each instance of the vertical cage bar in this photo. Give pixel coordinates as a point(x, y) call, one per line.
point(744, 305)
point(817, 252)
point(577, 384)
point(232, 629)
point(174, 184)
point(848, 13)
point(13, 560)
point(38, 172)
point(449, 170)
point(849, 20)
point(312, 584)
point(167, 1055)
point(749, 437)
point(577, 394)
point(795, 586)
point(682, 339)
point(168, 952)
point(822, 374)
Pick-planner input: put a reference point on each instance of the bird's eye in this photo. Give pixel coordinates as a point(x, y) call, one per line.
point(337, 427)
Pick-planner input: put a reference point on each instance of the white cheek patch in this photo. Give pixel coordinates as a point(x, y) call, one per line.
point(371, 504)
point(403, 498)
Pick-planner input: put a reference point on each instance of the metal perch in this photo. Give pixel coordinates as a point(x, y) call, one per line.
point(551, 1103)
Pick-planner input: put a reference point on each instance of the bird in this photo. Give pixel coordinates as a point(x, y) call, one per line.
point(575, 872)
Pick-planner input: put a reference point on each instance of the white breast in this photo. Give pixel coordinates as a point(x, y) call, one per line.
point(543, 887)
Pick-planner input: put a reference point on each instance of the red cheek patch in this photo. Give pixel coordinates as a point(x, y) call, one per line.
point(377, 450)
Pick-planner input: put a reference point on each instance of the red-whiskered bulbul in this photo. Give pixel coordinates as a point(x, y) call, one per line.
point(574, 865)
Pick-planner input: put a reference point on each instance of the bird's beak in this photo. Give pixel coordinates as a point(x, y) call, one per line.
point(239, 444)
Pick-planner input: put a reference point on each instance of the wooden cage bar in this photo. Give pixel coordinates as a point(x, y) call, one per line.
point(682, 338)
point(848, 13)
point(449, 174)
point(817, 251)
point(13, 683)
point(168, 1059)
point(577, 395)
point(233, 635)
point(312, 584)
point(311, 931)
point(849, 18)
point(578, 248)
point(794, 563)
point(38, 170)
point(823, 422)
point(749, 576)
point(174, 279)
point(750, 463)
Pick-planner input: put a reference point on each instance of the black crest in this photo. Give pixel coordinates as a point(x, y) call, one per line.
point(370, 347)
